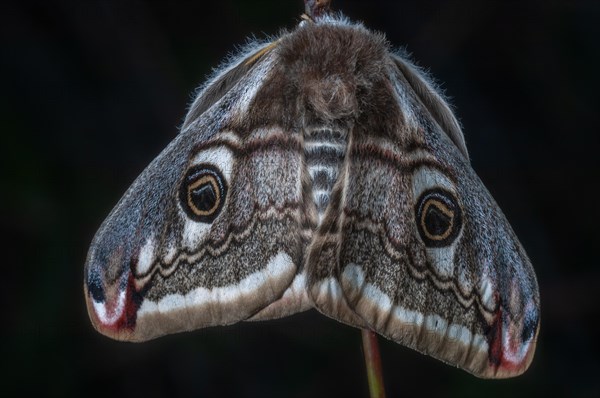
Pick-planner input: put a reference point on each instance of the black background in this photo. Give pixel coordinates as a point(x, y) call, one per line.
point(93, 90)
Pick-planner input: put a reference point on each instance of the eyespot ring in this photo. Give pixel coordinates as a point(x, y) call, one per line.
point(202, 193)
point(438, 217)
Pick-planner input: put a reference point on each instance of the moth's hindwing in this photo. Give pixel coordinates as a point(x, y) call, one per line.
point(412, 245)
point(211, 232)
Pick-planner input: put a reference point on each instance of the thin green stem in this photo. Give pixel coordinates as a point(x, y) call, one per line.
point(373, 362)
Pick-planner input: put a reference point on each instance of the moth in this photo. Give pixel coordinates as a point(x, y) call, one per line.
point(320, 170)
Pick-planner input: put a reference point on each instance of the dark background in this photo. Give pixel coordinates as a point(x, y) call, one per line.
point(91, 91)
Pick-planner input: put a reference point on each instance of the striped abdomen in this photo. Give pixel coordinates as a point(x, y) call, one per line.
point(324, 151)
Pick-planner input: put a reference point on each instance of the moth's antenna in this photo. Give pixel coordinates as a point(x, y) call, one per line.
point(314, 9)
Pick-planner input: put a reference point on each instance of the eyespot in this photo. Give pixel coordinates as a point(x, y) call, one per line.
point(203, 192)
point(438, 217)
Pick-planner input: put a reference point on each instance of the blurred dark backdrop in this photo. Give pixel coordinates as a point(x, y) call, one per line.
point(93, 90)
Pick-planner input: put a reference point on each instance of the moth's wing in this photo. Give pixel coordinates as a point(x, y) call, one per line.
point(414, 245)
point(205, 235)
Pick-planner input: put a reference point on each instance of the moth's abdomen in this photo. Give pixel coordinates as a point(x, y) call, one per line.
point(324, 152)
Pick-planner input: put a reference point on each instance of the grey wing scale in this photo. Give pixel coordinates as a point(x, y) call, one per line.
point(205, 236)
point(413, 246)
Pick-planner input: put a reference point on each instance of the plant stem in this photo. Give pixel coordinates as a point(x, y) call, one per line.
point(373, 362)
